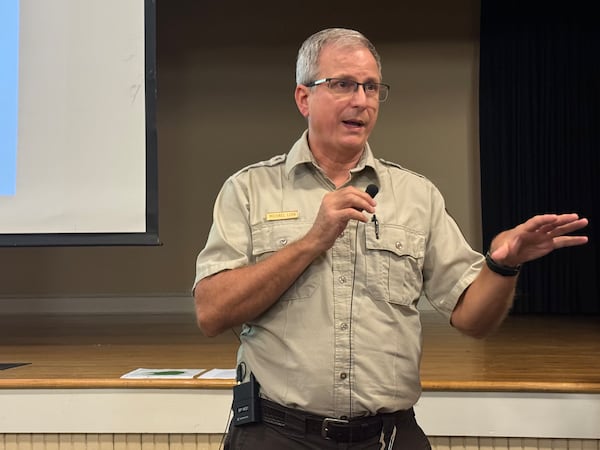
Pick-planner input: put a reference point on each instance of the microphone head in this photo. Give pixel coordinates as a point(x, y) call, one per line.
point(372, 190)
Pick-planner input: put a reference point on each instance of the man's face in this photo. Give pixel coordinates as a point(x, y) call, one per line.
point(341, 122)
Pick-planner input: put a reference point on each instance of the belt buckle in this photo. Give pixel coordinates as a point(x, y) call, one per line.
point(330, 420)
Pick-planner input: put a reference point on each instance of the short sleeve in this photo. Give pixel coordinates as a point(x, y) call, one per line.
point(450, 265)
point(229, 241)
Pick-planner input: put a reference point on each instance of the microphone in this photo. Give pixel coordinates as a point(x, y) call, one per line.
point(372, 190)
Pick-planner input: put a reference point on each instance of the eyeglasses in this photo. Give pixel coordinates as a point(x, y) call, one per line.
point(343, 87)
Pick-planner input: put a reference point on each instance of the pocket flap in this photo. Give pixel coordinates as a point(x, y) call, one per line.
point(395, 239)
point(270, 237)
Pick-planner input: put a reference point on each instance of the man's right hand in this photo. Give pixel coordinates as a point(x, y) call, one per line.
point(336, 210)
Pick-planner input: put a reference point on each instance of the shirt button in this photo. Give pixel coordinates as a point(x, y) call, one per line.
point(343, 375)
point(341, 235)
point(399, 245)
point(344, 326)
point(282, 242)
point(342, 279)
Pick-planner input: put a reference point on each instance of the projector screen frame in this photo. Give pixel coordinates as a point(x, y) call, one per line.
point(150, 236)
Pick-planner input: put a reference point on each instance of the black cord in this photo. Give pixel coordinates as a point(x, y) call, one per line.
point(224, 435)
point(241, 369)
point(236, 335)
point(350, 371)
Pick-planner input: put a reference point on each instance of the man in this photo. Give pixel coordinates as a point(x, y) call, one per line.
point(325, 279)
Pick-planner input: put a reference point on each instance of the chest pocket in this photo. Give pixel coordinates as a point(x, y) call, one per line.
point(394, 264)
point(269, 237)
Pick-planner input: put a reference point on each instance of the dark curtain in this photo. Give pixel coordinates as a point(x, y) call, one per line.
point(540, 139)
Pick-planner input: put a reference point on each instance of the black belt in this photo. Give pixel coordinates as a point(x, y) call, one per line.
point(340, 430)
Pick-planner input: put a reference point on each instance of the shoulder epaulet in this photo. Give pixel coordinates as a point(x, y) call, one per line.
point(398, 166)
point(274, 161)
point(390, 163)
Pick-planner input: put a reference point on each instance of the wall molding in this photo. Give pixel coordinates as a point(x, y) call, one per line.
point(483, 414)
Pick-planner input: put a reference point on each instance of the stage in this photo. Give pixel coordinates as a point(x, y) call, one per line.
point(536, 377)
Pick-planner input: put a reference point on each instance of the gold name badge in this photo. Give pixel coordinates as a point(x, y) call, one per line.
point(283, 215)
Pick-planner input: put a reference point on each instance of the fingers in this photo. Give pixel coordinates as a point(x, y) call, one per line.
point(537, 237)
point(554, 225)
point(357, 199)
point(569, 241)
point(568, 227)
point(351, 198)
point(562, 225)
point(546, 222)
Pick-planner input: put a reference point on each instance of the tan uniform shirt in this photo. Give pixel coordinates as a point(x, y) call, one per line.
point(345, 338)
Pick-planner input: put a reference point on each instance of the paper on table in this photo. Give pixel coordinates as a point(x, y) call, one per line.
point(221, 374)
point(163, 373)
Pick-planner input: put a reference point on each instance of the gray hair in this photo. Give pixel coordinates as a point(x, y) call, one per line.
point(307, 63)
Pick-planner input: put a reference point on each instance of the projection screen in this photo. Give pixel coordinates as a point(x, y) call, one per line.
point(78, 150)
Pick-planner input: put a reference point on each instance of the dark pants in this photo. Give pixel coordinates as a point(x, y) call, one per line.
point(399, 432)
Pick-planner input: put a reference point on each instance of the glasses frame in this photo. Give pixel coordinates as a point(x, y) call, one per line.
point(386, 87)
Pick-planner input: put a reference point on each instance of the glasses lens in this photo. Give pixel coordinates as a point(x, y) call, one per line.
point(341, 86)
point(384, 90)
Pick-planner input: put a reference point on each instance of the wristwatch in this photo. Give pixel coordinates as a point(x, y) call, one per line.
point(501, 269)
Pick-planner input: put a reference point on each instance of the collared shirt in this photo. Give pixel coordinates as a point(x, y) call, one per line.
point(345, 338)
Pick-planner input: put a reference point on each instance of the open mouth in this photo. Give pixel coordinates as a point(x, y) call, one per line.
point(354, 123)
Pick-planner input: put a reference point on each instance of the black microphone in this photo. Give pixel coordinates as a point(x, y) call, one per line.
point(372, 190)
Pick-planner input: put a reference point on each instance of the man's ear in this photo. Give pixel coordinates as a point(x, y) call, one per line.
point(301, 95)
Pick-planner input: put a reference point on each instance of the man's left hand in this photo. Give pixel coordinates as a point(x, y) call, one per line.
point(537, 237)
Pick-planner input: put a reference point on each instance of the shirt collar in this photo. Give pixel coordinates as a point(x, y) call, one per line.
point(300, 154)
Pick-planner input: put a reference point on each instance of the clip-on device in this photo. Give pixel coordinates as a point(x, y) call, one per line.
point(246, 400)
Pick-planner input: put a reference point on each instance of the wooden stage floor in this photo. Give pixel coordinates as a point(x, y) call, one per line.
point(527, 354)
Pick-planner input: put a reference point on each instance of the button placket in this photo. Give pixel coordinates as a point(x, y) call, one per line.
point(342, 267)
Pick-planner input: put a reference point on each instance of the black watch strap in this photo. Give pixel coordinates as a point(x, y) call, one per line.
point(500, 269)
